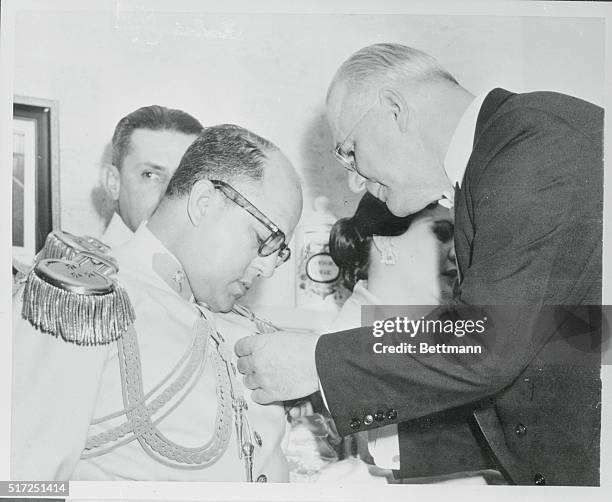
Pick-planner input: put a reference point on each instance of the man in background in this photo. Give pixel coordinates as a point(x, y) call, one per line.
point(147, 147)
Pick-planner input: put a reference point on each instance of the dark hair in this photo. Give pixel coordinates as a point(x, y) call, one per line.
point(154, 118)
point(350, 238)
point(224, 152)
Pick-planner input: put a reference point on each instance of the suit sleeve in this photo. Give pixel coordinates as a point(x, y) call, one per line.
point(534, 211)
point(54, 390)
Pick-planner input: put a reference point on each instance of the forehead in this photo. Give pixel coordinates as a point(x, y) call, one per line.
point(438, 212)
point(343, 109)
point(430, 215)
point(334, 108)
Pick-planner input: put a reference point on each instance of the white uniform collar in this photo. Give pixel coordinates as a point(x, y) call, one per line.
point(117, 232)
point(147, 252)
point(461, 146)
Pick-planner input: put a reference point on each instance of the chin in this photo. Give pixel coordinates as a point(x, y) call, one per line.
point(401, 207)
point(227, 304)
point(217, 304)
point(222, 307)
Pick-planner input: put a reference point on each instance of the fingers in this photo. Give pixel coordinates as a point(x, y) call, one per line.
point(302, 409)
point(262, 397)
point(294, 412)
point(245, 365)
point(307, 409)
point(245, 346)
point(250, 381)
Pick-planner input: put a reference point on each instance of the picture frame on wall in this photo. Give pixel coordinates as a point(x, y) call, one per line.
point(35, 185)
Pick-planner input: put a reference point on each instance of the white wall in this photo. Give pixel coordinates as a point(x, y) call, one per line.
point(267, 72)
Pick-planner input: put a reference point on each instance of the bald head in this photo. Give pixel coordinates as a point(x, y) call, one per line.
point(386, 64)
point(280, 192)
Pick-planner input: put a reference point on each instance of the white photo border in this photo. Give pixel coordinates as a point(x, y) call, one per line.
point(242, 491)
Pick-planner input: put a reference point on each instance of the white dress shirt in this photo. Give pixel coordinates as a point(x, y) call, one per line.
point(460, 148)
point(117, 232)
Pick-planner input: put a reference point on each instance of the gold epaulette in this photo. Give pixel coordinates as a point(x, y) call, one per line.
point(61, 244)
point(71, 291)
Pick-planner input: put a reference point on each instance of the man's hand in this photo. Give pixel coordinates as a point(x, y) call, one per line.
point(278, 366)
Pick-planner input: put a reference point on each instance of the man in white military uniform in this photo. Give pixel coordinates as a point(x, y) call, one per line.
point(147, 146)
point(166, 405)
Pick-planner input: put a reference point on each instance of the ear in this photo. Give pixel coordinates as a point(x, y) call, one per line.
point(199, 201)
point(111, 181)
point(395, 102)
point(356, 182)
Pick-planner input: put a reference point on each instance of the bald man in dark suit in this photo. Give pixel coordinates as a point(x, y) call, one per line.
point(524, 173)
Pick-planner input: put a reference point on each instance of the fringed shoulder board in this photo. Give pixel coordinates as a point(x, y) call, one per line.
point(71, 291)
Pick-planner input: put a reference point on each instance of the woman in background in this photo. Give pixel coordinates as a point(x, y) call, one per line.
point(388, 260)
point(384, 260)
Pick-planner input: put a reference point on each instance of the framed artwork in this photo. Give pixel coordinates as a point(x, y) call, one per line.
point(35, 191)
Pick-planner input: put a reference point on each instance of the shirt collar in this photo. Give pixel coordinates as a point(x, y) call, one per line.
point(460, 147)
point(117, 232)
point(363, 294)
point(145, 247)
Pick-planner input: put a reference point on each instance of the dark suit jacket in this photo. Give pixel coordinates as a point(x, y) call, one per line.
point(528, 237)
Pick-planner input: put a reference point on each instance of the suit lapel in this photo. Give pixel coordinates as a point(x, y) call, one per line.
point(463, 226)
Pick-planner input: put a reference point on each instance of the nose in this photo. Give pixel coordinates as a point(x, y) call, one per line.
point(265, 265)
point(356, 182)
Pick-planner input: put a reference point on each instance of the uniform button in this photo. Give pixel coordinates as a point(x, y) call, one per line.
point(539, 479)
point(391, 414)
point(520, 430)
point(355, 423)
point(379, 416)
point(368, 419)
point(262, 478)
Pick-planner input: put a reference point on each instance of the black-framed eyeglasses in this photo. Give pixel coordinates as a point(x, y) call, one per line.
point(347, 158)
point(275, 242)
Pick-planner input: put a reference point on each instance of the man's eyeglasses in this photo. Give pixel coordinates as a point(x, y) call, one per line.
point(347, 158)
point(275, 241)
